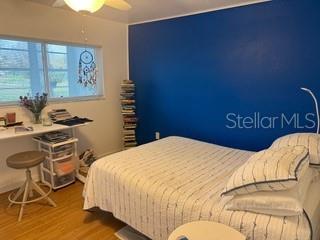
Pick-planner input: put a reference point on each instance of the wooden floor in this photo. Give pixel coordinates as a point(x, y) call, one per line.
point(67, 221)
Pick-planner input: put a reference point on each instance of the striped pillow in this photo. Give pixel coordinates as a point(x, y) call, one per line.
point(269, 170)
point(310, 140)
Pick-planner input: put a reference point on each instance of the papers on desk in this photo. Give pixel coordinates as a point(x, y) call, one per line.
point(23, 129)
point(2, 129)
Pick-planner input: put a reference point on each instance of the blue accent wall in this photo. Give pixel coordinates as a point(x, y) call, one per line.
point(190, 72)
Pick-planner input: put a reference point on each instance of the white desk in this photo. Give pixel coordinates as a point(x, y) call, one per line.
point(37, 130)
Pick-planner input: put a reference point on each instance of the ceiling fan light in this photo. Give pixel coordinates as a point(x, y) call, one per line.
point(85, 5)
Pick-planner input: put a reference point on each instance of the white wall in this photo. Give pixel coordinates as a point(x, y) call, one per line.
point(24, 19)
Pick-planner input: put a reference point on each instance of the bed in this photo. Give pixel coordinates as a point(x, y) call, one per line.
point(159, 186)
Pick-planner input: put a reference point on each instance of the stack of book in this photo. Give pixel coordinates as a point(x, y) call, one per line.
point(53, 137)
point(59, 114)
point(129, 113)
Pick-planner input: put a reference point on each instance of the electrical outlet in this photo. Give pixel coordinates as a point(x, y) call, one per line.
point(157, 135)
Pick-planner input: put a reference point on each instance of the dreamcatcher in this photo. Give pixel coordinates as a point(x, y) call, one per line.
point(87, 69)
point(87, 66)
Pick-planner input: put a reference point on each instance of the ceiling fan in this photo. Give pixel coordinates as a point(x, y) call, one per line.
point(92, 5)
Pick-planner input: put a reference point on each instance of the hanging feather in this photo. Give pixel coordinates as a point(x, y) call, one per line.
point(87, 70)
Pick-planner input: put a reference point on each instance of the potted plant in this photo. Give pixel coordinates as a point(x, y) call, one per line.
point(35, 105)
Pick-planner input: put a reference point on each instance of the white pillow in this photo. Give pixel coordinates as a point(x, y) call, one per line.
point(310, 140)
point(269, 170)
point(279, 203)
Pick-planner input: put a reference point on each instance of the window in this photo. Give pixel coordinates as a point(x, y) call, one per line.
point(27, 68)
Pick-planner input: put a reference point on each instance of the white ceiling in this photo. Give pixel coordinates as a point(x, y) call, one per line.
point(148, 10)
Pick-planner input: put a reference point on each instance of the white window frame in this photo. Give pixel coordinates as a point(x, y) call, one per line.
point(99, 61)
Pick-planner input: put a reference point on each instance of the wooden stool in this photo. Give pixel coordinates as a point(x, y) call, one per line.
point(27, 160)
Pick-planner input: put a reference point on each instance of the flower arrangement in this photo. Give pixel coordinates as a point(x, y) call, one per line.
point(35, 104)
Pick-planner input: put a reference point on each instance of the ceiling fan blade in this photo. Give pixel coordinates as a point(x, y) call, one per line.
point(59, 3)
point(118, 4)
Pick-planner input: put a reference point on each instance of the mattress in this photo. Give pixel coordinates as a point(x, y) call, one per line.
point(159, 186)
point(312, 206)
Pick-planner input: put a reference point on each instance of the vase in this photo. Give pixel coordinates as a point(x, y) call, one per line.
point(37, 118)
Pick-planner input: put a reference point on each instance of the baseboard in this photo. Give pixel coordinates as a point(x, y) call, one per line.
point(14, 184)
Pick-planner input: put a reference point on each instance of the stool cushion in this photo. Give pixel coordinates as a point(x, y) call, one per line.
point(25, 159)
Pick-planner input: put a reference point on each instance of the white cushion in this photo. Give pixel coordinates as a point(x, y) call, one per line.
point(278, 203)
point(269, 170)
point(310, 140)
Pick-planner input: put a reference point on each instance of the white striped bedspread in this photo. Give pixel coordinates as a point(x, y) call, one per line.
point(159, 186)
